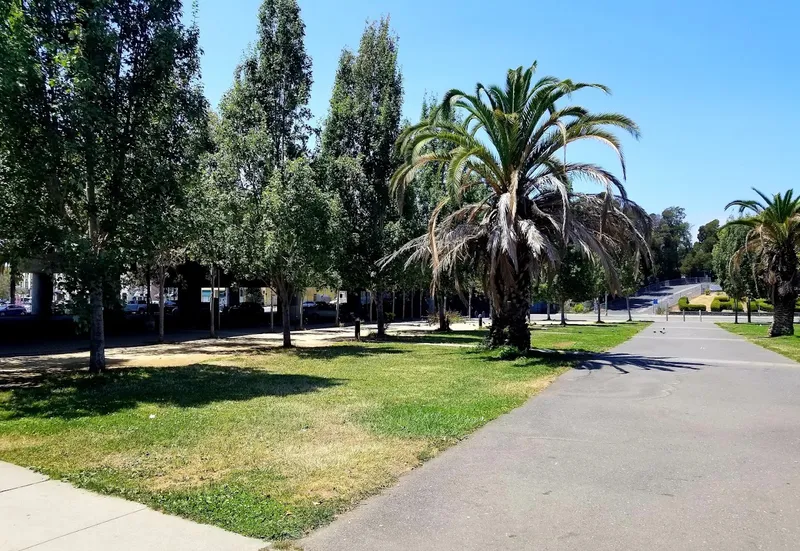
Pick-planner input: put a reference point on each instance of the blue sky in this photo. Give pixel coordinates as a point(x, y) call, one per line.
point(713, 84)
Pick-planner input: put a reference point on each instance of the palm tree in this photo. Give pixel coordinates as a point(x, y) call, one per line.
point(510, 209)
point(774, 239)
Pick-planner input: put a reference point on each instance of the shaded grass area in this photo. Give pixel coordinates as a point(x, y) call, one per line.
point(275, 443)
point(756, 333)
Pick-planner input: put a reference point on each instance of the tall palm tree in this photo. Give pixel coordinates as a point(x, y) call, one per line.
point(774, 238)
point(510, 209)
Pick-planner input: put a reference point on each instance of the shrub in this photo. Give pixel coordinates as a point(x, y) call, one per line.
point(578, 308)
point(695, 308)
point(451, 315)
point(764, 306)
point(683, 303)
point(723, 297)
point(716, 305)
point(708, 292)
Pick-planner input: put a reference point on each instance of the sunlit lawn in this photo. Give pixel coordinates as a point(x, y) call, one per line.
point(274, 444)
point(757, 333)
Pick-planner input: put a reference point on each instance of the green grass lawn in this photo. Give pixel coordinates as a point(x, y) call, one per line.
point(274, 444)
point(757, 333)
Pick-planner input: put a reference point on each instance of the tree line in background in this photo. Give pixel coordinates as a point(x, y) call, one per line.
point(111, 160)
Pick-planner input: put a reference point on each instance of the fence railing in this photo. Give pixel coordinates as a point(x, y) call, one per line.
point(672, 283)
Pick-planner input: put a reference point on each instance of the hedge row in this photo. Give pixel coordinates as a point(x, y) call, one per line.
point(684, 306)
point(718, 305)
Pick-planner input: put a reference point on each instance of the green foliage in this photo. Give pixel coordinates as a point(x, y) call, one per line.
point(738, 274)
point(97, 106)
point(699, 260)
point(670, 242)
point(579, 308)
point(506, 181)
point(362, 126)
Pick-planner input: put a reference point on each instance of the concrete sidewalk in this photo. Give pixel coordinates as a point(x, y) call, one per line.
point(684, 437)
point(44, 515)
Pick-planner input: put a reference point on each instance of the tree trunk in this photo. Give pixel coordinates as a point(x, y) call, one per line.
point(394, 311)
point(443, 325)
point(735, 311)
point(563, 315)
point(338, 298)
point(509, 315)
point(300, 300)
point(598, 311)
point(287, 328)
point(783, 316)
point(421, 292)
point(380, 315)
point(469, 306)
point(97, 340)
point(548, 311)
point(211, 306)
point(161, 277)
point(628, 306)
point(12, 283)
point(749, 319)
point(148, 297)
point(404, 306)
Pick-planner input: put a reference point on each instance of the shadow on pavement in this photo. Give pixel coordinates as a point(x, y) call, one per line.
point(622, 361)
point(79, 394)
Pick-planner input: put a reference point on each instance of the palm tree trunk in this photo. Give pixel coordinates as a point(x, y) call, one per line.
point(783, 316)
point(509, 316)
point(443, 325)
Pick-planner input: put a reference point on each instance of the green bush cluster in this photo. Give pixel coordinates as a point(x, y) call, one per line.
point(718, 304)
point(579, 308)
point(684, 306)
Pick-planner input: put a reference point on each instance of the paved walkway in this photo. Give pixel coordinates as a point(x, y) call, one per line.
point(685, 437)
point(45, 515)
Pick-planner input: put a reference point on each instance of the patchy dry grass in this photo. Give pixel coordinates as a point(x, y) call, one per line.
point(273, 443)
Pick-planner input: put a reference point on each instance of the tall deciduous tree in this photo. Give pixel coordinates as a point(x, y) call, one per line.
point(670, 242)
point(364, 123)
point(281, 214)
point(79, 85)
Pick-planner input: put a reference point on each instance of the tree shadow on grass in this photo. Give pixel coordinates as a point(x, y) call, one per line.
point(81, 395)
point(330, 352)
point(449, 337)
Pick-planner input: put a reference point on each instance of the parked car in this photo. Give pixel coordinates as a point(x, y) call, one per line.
point(245, 313)
point(13, 310)
point(319, 312)
point(136, 307)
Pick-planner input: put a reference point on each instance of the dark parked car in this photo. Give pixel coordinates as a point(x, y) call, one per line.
point(13, 310)
point(245, 313)
point(319, 312)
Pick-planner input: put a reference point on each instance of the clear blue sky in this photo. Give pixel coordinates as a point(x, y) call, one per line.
point(713, 84)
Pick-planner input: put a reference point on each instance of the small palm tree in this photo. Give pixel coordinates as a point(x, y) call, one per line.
point(774, 239)
point(510, 209)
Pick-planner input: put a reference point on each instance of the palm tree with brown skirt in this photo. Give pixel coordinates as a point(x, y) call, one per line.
point(510, 208)
point(774, 240)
